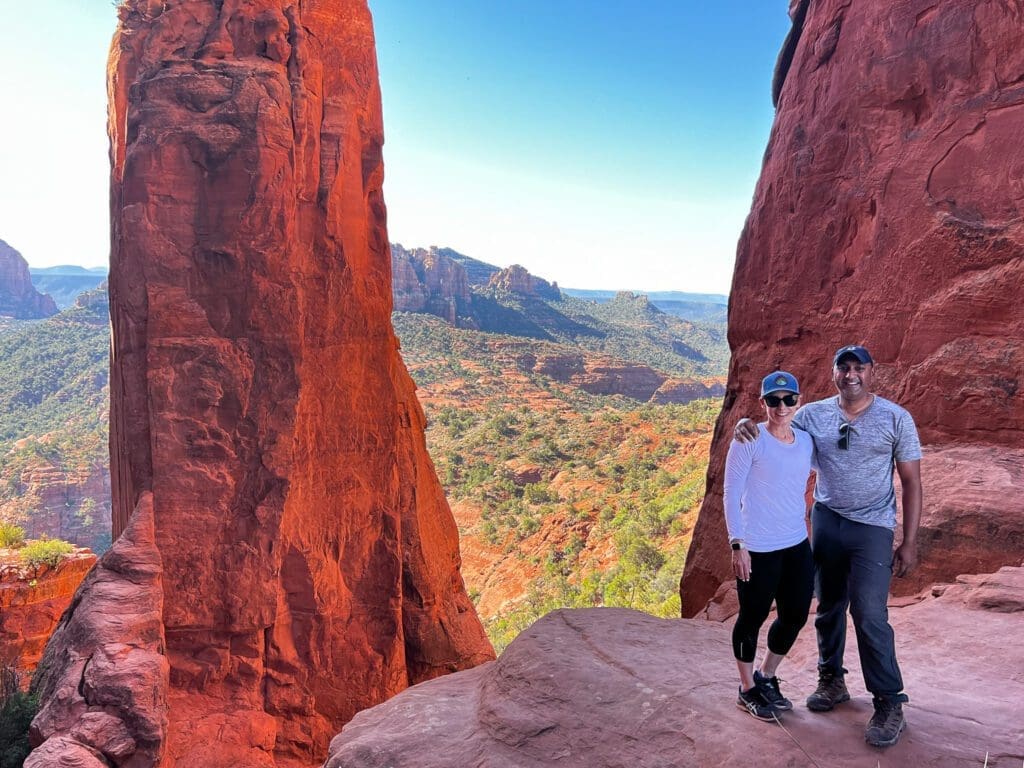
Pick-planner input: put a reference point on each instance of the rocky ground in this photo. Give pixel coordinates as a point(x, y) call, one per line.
point(611, 687)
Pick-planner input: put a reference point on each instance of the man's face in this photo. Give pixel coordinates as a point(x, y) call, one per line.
point(852, 377)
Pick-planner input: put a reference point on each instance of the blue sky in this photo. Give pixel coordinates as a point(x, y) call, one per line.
point(599, 144)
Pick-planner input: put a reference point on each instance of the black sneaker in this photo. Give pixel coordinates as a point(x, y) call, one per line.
point(754, 703)
point(831, 691)
point(769, 688)
point(887, 723)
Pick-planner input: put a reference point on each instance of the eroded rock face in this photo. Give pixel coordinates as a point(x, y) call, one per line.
point(889, 213)
point(601, 375)
point(310, 563)
point(604, 687)
point(103, 679)
point(31, 603)
point(427, 280)
point(18, 297)
point(70, 503)
point(516, 279)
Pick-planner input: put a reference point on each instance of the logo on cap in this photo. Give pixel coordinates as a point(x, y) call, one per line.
point(780, 380)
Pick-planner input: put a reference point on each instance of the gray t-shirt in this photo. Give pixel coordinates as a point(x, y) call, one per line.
point(857, 483)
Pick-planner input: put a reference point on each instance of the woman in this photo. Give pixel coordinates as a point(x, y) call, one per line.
point(765, 513)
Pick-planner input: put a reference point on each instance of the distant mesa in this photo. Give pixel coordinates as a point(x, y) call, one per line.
point(429, 281)
point(516, 279)
point(18, 296)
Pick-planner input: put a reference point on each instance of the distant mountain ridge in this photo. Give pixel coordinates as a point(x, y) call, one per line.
point(626, 326)
point(65, 282)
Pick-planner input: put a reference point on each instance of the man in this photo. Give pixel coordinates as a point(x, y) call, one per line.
point(858, 438)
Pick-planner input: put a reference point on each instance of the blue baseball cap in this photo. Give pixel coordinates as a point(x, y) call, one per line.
point(857, 351)
point(779, 381)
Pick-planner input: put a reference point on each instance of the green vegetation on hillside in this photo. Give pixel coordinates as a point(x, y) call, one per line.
point(596, 494)
point(53, 406)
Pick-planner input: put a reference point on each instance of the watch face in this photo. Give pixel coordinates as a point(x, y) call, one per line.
point(735, 545)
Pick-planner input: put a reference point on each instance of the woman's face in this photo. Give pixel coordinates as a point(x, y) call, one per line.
point(780, 407)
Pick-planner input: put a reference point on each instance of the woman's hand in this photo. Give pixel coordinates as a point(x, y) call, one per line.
point(741, 564)
point(745, 431)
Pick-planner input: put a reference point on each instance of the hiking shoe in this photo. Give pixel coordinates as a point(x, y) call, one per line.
point(831, 691)
point(754, 703)
point(887, 723)
point(769, 688)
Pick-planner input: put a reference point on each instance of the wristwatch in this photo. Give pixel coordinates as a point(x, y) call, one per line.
point(737, 544)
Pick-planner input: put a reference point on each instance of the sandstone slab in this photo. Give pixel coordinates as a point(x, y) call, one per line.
point(611, 687)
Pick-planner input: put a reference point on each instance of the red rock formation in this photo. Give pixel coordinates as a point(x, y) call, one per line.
point(600, 375)
point(889, 213)
point(604, 687)
point(516, 279)
point(103, 687)
point(429, 281)
point(686, 390)
point(18, 297)
point(310, 561)
point(31, 603)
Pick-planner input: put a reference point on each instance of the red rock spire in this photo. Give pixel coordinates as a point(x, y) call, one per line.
point(310, 560)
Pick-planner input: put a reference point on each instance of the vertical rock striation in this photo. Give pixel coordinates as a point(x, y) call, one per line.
point(889, 212)
point(310, 563)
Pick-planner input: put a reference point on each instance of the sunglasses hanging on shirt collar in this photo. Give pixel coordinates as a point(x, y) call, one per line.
point(844, 436)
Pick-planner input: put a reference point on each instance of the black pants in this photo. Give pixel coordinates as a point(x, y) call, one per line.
point(785, 576)
point(853, 570)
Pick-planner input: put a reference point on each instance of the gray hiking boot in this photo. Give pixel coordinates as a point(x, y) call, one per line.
point(887, 723)
point(831, 691)
point(769, 688)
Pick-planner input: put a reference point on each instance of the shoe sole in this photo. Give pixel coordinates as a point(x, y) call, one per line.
point(753, 714)
point(888, 742)
point(823, 706)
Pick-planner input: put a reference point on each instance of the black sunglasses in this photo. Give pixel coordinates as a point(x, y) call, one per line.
point(844, 436)
point(773, 401)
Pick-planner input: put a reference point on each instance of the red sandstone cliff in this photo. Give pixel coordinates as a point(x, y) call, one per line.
point(309, 560)
point(429, 281)
point(889, 213)
point(602, 375)
point(18, 297)
point(31, 604)
point(516, 279)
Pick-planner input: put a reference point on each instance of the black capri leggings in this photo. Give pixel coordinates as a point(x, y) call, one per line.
point(785, 576)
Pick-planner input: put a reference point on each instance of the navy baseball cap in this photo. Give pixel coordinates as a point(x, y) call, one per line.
point(857, 351)
point(779, 381)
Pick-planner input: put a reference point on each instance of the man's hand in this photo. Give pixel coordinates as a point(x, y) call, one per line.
point(745, 431)
point(741, 564)
point(904, 558)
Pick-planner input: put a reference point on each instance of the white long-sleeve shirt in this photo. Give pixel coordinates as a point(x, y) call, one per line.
point(765, 482)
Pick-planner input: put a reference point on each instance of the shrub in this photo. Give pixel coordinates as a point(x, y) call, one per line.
point(11, 535)
point(45, 552)
point(15, 717)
